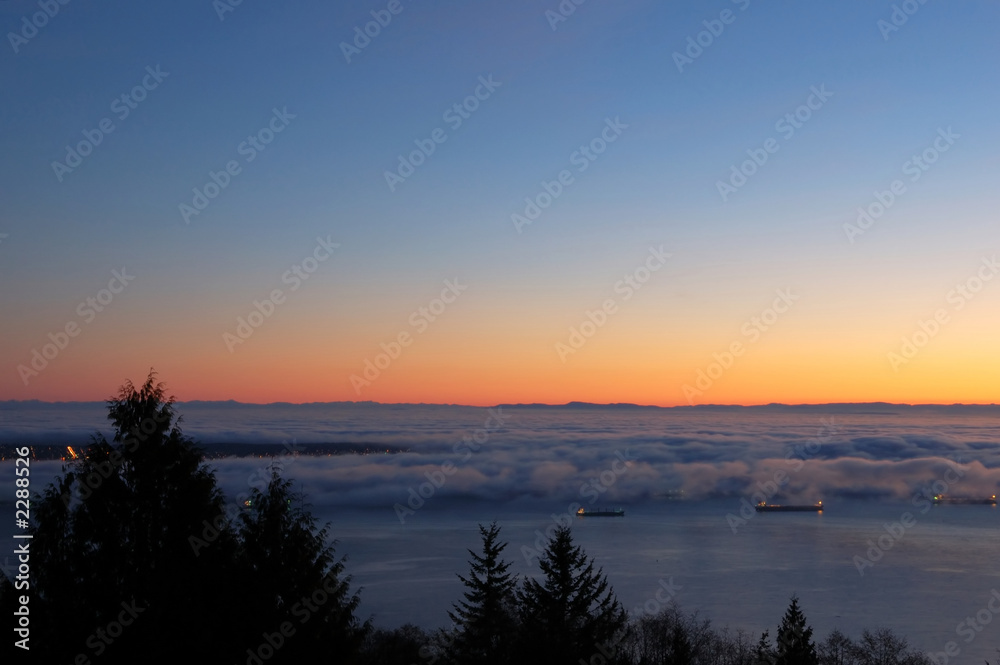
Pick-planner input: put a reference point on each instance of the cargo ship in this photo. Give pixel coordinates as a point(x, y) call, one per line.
point(940, 499)
point(777, 508)
point(603, 512)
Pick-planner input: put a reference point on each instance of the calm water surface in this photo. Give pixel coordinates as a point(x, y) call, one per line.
point(939, 572)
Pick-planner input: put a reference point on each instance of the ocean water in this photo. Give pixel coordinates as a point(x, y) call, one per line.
point(941, 570)
point(406, 520)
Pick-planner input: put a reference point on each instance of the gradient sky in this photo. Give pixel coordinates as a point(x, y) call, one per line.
point(323, 176)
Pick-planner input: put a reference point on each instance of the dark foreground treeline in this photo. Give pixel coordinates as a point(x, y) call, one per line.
point(136, 557)
point(667, 638)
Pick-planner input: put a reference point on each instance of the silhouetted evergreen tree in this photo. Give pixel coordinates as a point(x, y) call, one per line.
point(572, 614)
point(406, 645)
point(111, 537)
point(136, 557)
point(298, 581)
point(485, 621)
point(764, 654)
point(794, 640)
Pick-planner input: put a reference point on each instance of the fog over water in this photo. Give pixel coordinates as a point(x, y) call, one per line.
point(507, 453)
point(405, 520)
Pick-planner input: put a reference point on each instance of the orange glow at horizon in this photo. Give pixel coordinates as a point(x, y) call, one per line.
point(761, 379)
point(483, 356)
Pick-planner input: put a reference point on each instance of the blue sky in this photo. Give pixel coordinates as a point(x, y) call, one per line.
point(325, 173)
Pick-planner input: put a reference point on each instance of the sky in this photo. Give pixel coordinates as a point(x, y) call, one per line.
point(659, 203)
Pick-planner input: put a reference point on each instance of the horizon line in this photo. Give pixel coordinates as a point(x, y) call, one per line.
point(573, 403)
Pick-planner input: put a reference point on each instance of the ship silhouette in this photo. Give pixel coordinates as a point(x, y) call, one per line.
point(764, 507)
point(602, 512)
point(941, 499)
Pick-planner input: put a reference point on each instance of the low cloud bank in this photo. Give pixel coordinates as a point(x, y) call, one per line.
point(611, 455)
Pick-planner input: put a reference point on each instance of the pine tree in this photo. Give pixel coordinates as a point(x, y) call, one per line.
point(137, 557)
point(764, 654)
point(794, 640)
point(572, 614)
point(111, 535)
point(296, 578)
point(486, 620)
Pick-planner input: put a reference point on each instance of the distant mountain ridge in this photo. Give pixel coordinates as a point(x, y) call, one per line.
point(867, 407)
